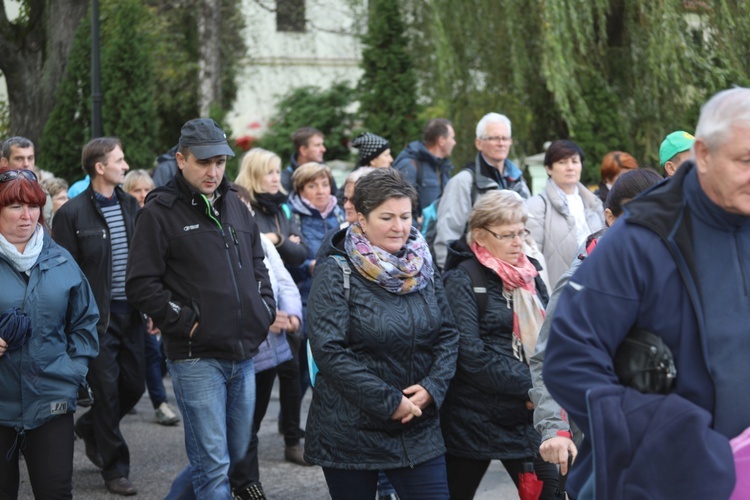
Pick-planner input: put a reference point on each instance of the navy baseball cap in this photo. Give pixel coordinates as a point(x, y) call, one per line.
point(205, 139)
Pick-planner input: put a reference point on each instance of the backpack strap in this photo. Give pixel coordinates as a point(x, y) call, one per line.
point(347, 271)
point(478, 282)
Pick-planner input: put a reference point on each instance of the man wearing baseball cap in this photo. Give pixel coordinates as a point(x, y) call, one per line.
point(196, 268)
point(675, 150)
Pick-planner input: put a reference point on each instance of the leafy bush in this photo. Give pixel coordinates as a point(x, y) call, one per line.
point(327, 110)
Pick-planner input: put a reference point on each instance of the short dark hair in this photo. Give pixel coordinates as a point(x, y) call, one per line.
point(17, 141)
point(95, 151)
point(302, 136)
point(434, 130)
point(379, 186)
point(629, 185)
point(560, 150)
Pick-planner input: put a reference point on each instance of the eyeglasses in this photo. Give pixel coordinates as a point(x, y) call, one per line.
point(12, 175)
point(496, 138)
point(344, 199)
point(507, 238)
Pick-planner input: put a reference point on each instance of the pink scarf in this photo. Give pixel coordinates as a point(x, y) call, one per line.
point(518, 281)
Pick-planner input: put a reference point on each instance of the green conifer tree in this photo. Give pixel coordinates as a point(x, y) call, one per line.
point(69, 124)
point(388, 87)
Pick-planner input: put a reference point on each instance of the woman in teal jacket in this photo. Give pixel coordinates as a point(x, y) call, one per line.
point(47, 337)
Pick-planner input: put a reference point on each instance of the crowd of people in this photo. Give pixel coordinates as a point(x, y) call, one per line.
point(441, 321)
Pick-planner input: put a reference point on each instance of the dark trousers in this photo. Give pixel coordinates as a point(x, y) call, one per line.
point(290, 394)
point(424, 481)
point(48, 451)
point(465, 474)
point(116, 377)
point(154, 370)
point(246, 471)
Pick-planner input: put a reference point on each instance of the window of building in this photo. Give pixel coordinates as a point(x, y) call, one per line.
point(290, 15)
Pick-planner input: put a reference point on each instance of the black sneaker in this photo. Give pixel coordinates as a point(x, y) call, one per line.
point(251, 492)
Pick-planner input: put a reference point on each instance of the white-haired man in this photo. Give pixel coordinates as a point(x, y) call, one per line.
point(490, 169)
point(677, 266)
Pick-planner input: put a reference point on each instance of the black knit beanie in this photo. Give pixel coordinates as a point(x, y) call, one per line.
point(370, 146)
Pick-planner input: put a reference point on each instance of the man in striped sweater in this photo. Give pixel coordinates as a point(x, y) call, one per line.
point(96, 228)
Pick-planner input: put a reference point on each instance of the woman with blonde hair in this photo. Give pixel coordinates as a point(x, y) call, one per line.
point(260, 174)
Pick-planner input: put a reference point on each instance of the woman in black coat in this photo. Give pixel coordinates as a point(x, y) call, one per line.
point(260, 174)
point(385, 349)
point(487, 413)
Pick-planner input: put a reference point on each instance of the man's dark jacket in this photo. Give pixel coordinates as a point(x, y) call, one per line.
point(81, 228)
point(190, 262)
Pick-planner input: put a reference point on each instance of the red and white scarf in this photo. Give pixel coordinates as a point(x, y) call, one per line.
point(518, 281)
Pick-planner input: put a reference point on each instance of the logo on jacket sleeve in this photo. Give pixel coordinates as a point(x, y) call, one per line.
point(59, 408)
point(191, 228)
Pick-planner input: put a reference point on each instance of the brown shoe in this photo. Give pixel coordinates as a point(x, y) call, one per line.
point(120, 486)
point(295, 454)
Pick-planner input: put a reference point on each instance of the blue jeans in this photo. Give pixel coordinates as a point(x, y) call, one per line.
point(154, 375)
point(216, 399)
point(427, 481)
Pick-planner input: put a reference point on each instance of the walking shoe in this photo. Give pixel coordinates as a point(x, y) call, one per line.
point(295, 454)
point(92, 452)
point(120, 486)
point(252, 492)
point(165, 415)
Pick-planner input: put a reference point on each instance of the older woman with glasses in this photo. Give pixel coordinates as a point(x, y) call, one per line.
point(48, 335)
point(497, 298)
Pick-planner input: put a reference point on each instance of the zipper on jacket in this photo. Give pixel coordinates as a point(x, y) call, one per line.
point(236, 288)
point(739, 254)
point(236, 245)
point(268, 309)
point(406, 451)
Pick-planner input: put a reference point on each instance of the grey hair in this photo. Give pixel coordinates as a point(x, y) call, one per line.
point(492, 118)
point(723, 111)
point(357, 174)
point(497, 207)
point(17, 141)
point(135, 176)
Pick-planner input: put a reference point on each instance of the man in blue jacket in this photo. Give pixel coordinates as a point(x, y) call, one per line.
point(677, 265)
point(426, 164)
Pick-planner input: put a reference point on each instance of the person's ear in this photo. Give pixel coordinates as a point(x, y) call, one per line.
point(609, 217)
point(479, 237)
point(670, 168)
point(702, 153)
point(362, 220)
point(180, 160)
point(3, 162)
point(99, 168)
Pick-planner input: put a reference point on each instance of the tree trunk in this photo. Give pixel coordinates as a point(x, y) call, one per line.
point(34, 59)
point(209, 74)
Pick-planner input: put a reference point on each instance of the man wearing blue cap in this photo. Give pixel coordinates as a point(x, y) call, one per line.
point(197, 269)
point(675, 150)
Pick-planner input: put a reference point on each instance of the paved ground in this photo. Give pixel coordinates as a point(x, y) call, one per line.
point(158, 454)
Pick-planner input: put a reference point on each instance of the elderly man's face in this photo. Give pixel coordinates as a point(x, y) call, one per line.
point(495, 144)
point(724, 173)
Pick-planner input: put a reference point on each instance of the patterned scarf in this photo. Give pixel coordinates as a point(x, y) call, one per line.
point(409, 271)
point(528, 311)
